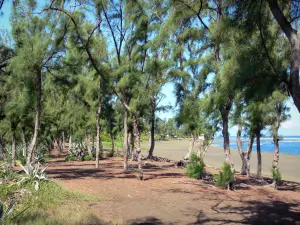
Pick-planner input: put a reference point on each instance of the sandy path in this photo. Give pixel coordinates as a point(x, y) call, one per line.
point(157, 200)
point(289, 164)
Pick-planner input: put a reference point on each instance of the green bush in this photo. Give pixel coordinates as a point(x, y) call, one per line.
point(195, 169)
point(225, 178)
point(276, 175)
point(70, 158)
point(87, 157)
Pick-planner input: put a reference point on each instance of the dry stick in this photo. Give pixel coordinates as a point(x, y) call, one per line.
point(195, 183)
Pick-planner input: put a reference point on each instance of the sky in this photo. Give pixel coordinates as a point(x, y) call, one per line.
point(288, 128)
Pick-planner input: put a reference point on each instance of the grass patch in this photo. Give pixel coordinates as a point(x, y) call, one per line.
point(51, 204)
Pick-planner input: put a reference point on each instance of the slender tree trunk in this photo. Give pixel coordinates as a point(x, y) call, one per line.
point(132, 146)
point(99, 150)
point(89, 148)
point(138, 146)
point(152, 140)
point(225, 132)
point(240, 150)
point(291, 34)
point(13, 149)
point(259, 167)
point(24, 147)
point(125, 147)
point(63, 140)
point(70, 142)
point(112, 138)
point(191, 147)
point(32, 147)
point(248, 155)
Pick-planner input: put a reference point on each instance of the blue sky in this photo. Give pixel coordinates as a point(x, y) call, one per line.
point(288, 128)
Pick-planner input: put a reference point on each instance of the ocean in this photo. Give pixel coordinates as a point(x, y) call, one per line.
point(288, 145)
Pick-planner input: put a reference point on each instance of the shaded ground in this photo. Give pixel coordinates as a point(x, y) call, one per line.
point(176, 150)
point(158, 201)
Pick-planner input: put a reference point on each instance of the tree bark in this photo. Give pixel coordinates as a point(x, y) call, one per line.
point(191, 147)
point(70, 142)
point(240, 150)
point(257, 134)
point(248, 156)
point(126, 146)
point(99, 150)
point(225, 113)
point(152, 140)
point(33, 143)
point(63, 140)
point(132, 146)
point(138, 146)
point(294, 40)
point(24, 146)
point(13, 149)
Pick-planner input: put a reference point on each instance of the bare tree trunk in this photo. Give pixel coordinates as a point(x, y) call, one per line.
point(152, 140)
point(13, 149)
point(138, 146)
point(70, 142)
point(32, 147)
point(225, 114)
point(132, 146)
point(126, 146)
point(191, 147)
point(63, 140)
point(99, 150)
point(112, 138)
point(240, 150)
point(89, 148)
point(291, 34)
point(257, 134)
point(248, 155)
point(24, 147)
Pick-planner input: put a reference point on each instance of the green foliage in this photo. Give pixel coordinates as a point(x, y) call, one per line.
point(70, 158)
point(225, 176)
point(276, 175)
point(195, 168)
point(34, 174)
point(87, 157)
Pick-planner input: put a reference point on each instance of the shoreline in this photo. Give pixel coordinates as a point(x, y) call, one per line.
point(289, 164)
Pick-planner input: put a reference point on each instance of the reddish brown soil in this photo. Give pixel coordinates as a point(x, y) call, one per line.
point(157, 200)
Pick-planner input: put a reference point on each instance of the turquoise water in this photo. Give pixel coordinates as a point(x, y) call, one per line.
point(289, 144)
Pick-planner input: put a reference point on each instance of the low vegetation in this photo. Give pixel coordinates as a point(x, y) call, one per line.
point(225, 178)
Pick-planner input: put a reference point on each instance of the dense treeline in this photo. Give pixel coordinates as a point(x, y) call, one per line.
point(76, 71)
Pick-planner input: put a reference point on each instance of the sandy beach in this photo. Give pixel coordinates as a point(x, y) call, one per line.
point(176, 150)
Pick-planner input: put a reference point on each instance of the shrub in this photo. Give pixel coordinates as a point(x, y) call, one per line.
point(87, 157)
point(195, 169)
point(70, 158)
point(225, 178)
point(276, 175)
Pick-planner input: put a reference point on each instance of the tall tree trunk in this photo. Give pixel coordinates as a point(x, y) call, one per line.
point(152, 140)
point(240, 150)
point(112, 138)
point(138, 146)
point(89, 148)
point(248, 155)
point(191, 147)
point(225, 113)
point(70, 142)
point(291, 34)
point(257, 134)
point(32, 147)
point(24, 146)
point(99, 150)
point(13, 149)
point(63, 140)
point(132, 146)
point(126, 146)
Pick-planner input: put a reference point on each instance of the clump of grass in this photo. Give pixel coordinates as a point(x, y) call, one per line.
point(276, 175)
point(195, 168)
point(225, 178)
point(52, 204)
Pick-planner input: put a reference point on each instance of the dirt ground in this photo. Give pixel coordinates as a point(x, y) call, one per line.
point(160, 200)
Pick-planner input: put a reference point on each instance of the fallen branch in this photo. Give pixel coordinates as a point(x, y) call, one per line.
point(194, 183)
